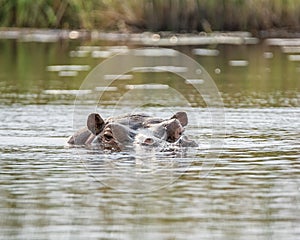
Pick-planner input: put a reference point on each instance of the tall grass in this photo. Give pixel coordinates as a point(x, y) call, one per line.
point(190, 15)
point(155, 15)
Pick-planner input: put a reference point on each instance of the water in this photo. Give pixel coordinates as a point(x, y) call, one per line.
point(248, 189)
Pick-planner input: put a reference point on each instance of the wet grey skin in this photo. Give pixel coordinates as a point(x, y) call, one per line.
point(119, 133)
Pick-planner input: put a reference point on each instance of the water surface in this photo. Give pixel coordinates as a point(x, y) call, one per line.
point(51, 191)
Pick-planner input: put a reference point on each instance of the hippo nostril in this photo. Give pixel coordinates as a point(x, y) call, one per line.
point(148, 141)
point(181, 131)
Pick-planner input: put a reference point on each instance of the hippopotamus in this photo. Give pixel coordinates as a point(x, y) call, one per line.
point(122, 132)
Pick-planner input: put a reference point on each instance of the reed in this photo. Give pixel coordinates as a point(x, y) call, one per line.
point(154, 15)
point(27, 13)
point(199, 15)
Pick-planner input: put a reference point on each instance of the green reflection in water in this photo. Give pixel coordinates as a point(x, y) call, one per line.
point(267, 78)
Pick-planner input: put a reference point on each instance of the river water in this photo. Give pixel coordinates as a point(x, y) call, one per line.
point(242, 182)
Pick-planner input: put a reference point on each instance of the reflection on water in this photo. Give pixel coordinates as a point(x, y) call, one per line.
point(50, 191)
point(246, 75)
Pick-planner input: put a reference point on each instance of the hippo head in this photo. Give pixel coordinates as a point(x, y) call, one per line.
point(118, 133)
point(109, 135)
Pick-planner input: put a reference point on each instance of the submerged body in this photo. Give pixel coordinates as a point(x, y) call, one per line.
point(119, 133)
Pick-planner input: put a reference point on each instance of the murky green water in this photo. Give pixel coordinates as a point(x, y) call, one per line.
point(249, 189)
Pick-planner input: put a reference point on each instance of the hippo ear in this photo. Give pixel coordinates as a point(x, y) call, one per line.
point(182, 117)
point(95, 123)
point(174, 130)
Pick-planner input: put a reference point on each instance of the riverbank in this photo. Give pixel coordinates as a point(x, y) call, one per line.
point(144, 38)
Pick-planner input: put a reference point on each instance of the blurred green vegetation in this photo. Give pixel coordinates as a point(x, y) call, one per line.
point(154, 15)
point(264, 82)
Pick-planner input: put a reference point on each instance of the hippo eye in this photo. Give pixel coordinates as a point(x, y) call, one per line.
point(107, 136)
